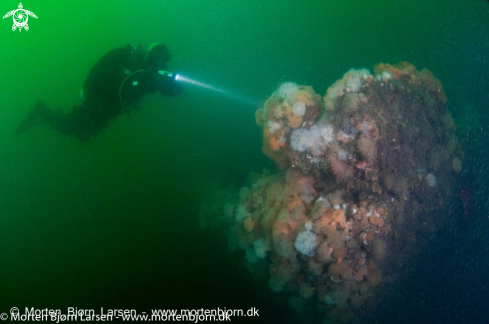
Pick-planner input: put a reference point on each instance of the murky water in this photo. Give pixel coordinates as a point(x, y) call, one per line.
point(112, 222)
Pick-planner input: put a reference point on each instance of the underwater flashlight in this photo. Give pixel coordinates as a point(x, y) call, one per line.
point(168, 74)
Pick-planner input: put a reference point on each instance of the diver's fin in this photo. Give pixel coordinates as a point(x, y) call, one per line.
point(36, 116)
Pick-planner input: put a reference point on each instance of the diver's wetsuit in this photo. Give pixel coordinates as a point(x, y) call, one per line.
point(116, 83)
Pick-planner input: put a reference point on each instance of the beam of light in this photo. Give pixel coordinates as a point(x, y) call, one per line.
point(229, 94)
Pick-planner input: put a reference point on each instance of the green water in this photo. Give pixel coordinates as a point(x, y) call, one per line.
point(113, 222)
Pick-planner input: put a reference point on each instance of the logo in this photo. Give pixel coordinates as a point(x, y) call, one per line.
point(20, 17)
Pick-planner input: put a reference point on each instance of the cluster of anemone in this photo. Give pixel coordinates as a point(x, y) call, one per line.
point(291, 124)
point(291, 107)
point(361, 180)
point(366, 119)
point(314, 245)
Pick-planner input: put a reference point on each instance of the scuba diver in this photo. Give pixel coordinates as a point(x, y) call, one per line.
point(117, 82)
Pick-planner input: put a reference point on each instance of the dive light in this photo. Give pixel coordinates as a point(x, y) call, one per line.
point(173, 76)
